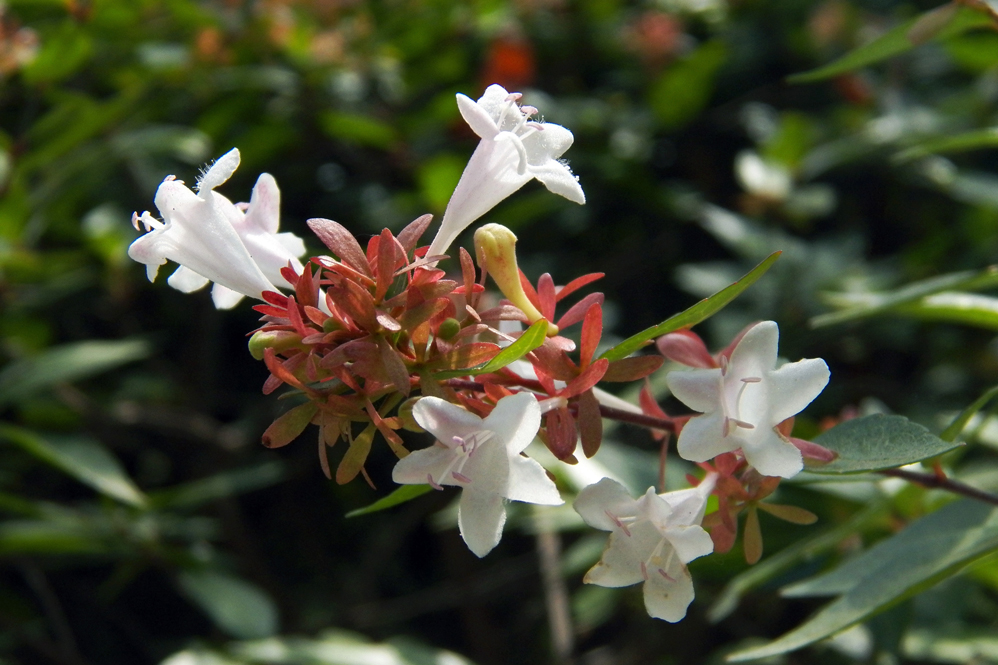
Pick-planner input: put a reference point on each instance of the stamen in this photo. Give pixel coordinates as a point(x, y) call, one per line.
point(726, 430)
point(460, 477)
point(514, 97)
point(666, 575)
point(644, 571)
point(135, 221)
point(752, 379)
point(724, 365)
point(171, 178)
point(618, 522)
point(742, 424)
point(528, 110)
point(435, 485)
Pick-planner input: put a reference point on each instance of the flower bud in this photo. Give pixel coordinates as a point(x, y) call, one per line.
point(495, 248)
point(405, 415)
point(448, 329)
point(278, 340)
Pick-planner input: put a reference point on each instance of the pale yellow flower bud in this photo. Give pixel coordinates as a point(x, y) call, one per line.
point(495, 248)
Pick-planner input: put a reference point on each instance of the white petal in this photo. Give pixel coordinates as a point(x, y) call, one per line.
point(480, 518)
point(224, 297)
point(702, 438)
point(688, 505)
point(414, 468)
point(515, 420)
point(699, 389)
point(794, 385)
point(756, 351)
point(599, 503)
point(623, 556)
point(186, 280)
point(690, 542)
point(152, 269)
point(292, 243)
point(445, 420)
point(772, 456)
point(529, 482)
point(668, 599)
point(549, 142)
point(488, 468)
point(264, 212)
point(558, 178)
point(477, 118)
point(494, 100)
point(219, 172)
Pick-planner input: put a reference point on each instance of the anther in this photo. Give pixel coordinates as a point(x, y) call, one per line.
point(514, 97)
point(528, 110)
point(135, 221)
point(724, 365)
point(742, 424)
point(752, 379)
point(644, 571)
point(460, 477)
point(432, 483)
point(666, 575)
point(169, 178)
point(618, 522)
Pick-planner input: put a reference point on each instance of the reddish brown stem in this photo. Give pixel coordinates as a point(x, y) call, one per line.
point(948, 484)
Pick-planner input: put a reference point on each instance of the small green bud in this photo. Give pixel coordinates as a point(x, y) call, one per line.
point(331, 325)
point(405, 415)
point(278, 340)
point(448, 329)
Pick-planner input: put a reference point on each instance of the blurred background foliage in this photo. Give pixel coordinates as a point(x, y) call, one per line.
point(143, 522)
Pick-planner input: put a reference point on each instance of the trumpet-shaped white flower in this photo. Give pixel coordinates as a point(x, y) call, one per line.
point(481, 456)
point(744, 400)
point(235, 246)
point(513, 150)
point(651, 541)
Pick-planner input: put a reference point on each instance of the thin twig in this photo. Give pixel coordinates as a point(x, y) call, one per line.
point(937, 482)
point(555, 592)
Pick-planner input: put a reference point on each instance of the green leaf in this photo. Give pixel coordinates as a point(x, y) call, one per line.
point(876, 442)
point(955, 427)
point(82, 458)
point(977, 139)
point(357, 128)
point(684, 89)
point(860, 305)
point(234, 605)
point(692, 316)
point(69, 362)
point(399, 496)
point(219, 486)
point(926, 552)
point(892, 43)
point(955, 307)
point(531, 338)
point(62, 52)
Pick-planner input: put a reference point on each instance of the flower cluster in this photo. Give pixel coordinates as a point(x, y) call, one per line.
point(375, 340)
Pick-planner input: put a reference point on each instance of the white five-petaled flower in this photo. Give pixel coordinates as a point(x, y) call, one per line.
point(235, 246)
point(744, 400)
point(651, 540)
point(513, 150)
point(481, 456)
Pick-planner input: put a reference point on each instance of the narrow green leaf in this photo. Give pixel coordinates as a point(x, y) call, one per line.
point(955, 427)
point(357, 128)
point(219, 486)
point(926, 552)
point(69, 362)
point(234, 605)
point(684, 89)
point(692, 316)
point(860, 305)
point(399, 496)
point(876, 442)
point(892, 43)
point(955, 307)
point(978, 139)
point(82, 458)
point(531, 338)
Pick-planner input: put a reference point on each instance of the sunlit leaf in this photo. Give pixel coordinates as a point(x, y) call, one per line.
point(876, 442)
point(927, 551)
point(234, 605)
point(684, 88)
point(969, 308)
point(692, 316)
point(953, 430)
point(531, 338)
point(399, 496)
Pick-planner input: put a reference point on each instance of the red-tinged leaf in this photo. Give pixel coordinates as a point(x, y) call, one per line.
point(792, 514)
point(343, 271)
point(341, 243)
point(686, 348)
point(324, 458)
point(814, 453)
point(752, 537)
point(577, 284)
point(307, 288)
point(590, 423)
point(394, 366)
point(268, 310)
point(496, 392)
point(438, 289)
point(723, 537)
point(578, 311)
point(410, 235)
point(592, 331)
point(355, 456)
point(356, 302)
point(528, 288)
point(289, 425)
point(546, 296)
point(504, 312)
point(587, 379)
point(561, 434)
point(468, 276)
point(271, 384)
point(284, 371)
point(288, 273)
point(554, 362)
point(387, 321)
point(387, 260)
point(315, 315)
point(466, 356)
point(422, 313)
point(649, 405)
point(275, 299)
point(632, 369)
point(294, 316)
point(393, 439)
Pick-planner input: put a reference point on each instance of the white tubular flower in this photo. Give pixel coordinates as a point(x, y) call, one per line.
point(513, 150)
point(744, 400)
point(481, 456)
point(214, 240)
point(651, 541)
